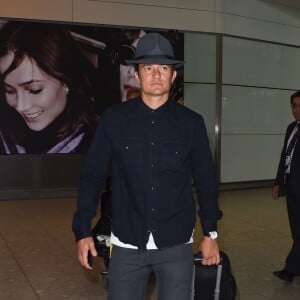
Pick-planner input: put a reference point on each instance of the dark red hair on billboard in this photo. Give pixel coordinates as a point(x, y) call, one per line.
point(56, 53)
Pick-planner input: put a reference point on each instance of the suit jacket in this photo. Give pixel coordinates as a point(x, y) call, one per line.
point(295, 165)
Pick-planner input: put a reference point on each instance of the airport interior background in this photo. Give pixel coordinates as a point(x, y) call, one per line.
point(242, 65)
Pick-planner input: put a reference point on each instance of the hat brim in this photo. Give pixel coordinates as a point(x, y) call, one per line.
point(155, 61)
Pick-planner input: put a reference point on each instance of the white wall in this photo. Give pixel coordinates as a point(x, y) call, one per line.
point(249, 18)
point(258, 19)
point(58, 10)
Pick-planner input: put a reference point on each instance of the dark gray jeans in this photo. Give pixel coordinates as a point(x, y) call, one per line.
point(129, 270)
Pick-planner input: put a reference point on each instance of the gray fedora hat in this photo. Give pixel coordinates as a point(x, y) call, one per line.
point(153, 48)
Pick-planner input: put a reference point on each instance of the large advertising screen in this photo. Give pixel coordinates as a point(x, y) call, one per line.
point(57, 79)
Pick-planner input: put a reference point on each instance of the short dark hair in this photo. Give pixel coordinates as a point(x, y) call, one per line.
point(294, 95)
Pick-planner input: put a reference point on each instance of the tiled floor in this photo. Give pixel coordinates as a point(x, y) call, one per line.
point(37, 249)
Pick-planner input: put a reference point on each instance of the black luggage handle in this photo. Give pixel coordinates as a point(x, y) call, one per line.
point(199, 257)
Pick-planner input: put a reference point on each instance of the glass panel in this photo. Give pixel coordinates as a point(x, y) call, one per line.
point(201, 99)
point(254, 122)
point(251, 63)
point(290, 67)
point(200, 57)
point(249, 157)
point(248, 110)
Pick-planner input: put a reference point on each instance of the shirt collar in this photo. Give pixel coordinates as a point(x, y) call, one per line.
point(163, 108)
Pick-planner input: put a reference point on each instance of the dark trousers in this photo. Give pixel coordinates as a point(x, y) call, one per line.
point(129, 270)
point(292, 262)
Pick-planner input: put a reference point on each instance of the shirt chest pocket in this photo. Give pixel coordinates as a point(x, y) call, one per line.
point(174, 156)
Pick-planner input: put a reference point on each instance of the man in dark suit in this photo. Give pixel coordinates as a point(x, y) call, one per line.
point(287, 183)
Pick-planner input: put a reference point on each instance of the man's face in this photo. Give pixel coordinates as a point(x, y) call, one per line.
point(296, 108)
point(155, 80)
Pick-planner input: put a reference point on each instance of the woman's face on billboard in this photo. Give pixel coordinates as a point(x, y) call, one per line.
point(36, 96)
point(127, 78)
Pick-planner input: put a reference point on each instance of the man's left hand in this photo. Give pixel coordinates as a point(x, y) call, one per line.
point(210, 251)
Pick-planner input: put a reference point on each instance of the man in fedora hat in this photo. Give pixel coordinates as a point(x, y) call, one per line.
point(156, 148)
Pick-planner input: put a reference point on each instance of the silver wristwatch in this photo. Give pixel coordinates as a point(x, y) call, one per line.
point(212, 234)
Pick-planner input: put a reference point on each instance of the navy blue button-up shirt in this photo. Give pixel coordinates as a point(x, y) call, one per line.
point(155, 157)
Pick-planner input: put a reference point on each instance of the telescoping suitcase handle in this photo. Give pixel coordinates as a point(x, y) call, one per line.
point(198, 258)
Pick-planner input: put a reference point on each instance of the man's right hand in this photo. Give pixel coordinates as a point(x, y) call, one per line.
point(83, 247)
point(275, 192)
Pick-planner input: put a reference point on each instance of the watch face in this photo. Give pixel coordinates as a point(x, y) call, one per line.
point(213, 235)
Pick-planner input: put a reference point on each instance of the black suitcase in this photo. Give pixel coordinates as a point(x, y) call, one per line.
point(213, 282)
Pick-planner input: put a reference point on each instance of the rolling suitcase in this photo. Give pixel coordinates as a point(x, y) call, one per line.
point(213, 282)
